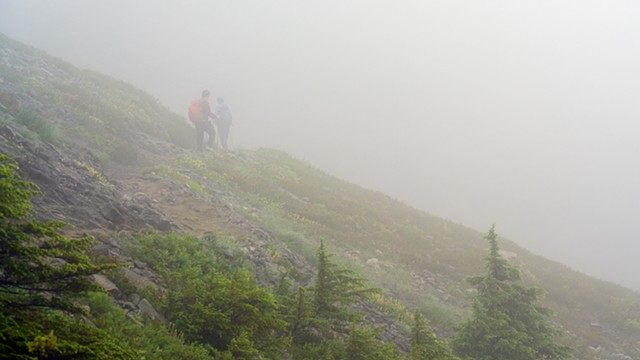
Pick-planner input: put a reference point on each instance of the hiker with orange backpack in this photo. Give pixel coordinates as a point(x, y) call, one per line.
point(199, 114)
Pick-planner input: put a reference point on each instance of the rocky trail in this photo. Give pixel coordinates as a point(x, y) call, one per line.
point(159, 203)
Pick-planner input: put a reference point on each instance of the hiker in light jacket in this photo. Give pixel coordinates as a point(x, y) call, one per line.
point(223, 122)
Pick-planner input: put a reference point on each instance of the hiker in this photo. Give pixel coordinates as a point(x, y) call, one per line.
point(199, 114)
point(223, 123)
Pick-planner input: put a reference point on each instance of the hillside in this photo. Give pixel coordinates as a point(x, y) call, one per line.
point(114, 163)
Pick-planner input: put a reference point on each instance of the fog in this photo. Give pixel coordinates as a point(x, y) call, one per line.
point(519, 113)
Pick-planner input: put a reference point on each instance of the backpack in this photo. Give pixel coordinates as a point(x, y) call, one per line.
point(195, 112)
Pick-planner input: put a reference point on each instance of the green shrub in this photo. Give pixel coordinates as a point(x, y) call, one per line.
point(45, 333)
point(153, 340)
point(212, 300)
point(4, 118)
point(46, 131)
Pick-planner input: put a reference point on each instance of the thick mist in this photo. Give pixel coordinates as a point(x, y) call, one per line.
point(523, 114)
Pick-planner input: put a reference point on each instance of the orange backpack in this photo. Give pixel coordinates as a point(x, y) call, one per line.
point(195, 112)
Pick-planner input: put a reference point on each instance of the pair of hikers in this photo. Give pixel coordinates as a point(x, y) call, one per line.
point(199, 114)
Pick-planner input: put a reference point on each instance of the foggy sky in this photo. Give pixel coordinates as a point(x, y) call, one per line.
point(519, 113)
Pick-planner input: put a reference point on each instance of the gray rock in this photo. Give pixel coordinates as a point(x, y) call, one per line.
point(106, 284)
point(146, 309)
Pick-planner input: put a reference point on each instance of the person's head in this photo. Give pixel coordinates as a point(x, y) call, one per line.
point(205, 93)
point(220, 100)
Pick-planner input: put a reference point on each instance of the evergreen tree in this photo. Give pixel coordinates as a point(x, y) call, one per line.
point(303, 323)
point(425, 345)
point(335, 289)
point(363, 343)
point(39, 267)
point(242, 348)
point(253, 311)
point(506, 323)
point(41, 272)
point(325, 280)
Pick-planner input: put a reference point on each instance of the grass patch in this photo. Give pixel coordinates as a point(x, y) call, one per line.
point(285, 231)
point(181, 178)
point(32, 121)
point(4, 119)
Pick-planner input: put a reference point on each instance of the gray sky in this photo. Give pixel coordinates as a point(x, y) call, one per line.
point(519, 113)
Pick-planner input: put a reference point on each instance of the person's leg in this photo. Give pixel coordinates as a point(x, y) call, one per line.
point(212, 134)
point(199, 136)
point(223, 129)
